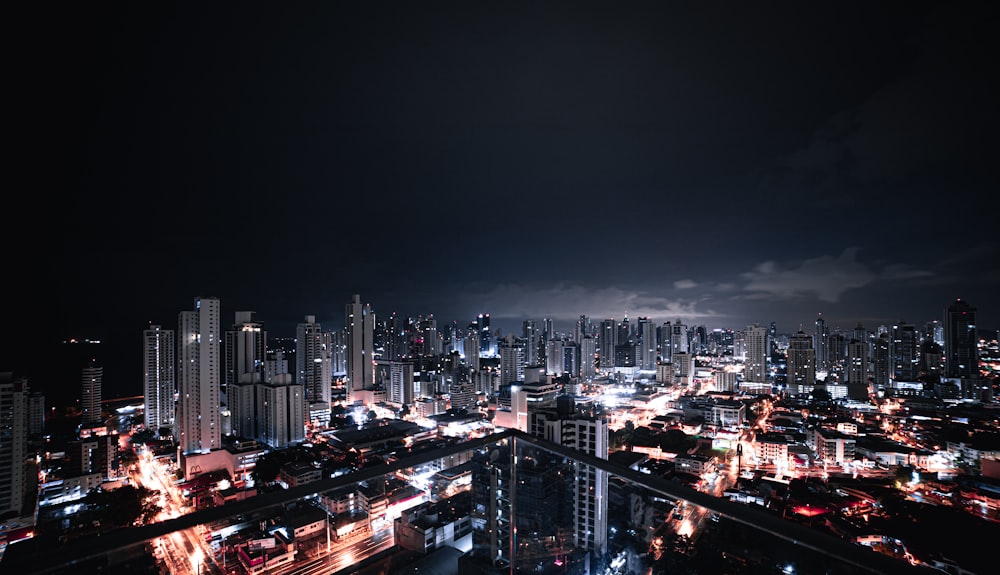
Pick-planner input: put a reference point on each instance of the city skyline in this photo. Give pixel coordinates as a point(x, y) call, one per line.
point(720, 164)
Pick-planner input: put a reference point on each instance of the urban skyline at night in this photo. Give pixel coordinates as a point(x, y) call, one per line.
point(564, 288)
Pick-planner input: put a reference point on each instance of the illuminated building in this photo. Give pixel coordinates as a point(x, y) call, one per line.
point(801, 364)
point(961, 353)
point(13, 442)
point(159, 381)
point(755, 370)
point(198, 377)
point(90, 398)
point(360, 322)
point(314, 368)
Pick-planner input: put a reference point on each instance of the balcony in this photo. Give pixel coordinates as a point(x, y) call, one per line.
point(510, 504)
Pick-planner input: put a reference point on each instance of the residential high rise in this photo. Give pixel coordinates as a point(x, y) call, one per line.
point(313, 364)
point(801, 364)
point(512, 354)
point(280, 413)
point(199, 377)
point(159, 377)
point(14, 392)
point(360, 322)
point(585, 430)
point(755, 369)
point(961, 353)
point(245, 349)
point(90, 396)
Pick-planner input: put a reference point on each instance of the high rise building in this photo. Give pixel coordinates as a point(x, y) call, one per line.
point(14, 392)
point(585, 430)
point(245, 355)
point(314, 364)
point(588, 353)
point(158, 375)
point(755, 368)
point(646, 330)
point(532, 341)
point(665, 345)
point(679, 340)
point(881, 360)
point(606, 343)
point(360, 322)
point(857, 369)
point(801, 364)
point(199, 377)
point(280, 413)
point(485, 335)
point(905, 350)
point(821, 344)
point(90, 397)
point(512, 355)
point(245, 349)
point(961, 352)
point(583, 329)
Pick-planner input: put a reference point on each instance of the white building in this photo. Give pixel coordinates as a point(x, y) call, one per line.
point(159, 381)
point(199, 427)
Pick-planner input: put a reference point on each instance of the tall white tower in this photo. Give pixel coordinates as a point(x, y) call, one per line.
point(755, 369)
point(360, 322)
point(199, 377)
point(159, 379)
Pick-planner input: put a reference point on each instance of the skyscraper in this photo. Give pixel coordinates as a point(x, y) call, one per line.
point(159, 381)
point(821, 344)
point(199, 377)
point(755, 370)
point(905, 340)
point(801, 364)
point(360, 322)
point(961, 354)
point(857, 369)
point(679, 342)
point(606, 343)
point(313, 365)
point(485, 335)
point(245, 348)
point(646, 331)
point(14, 393)
point(90, 396)
point(532, 340)
point(512, 354)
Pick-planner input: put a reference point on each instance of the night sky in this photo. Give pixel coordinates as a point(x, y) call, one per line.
point(720, 163)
